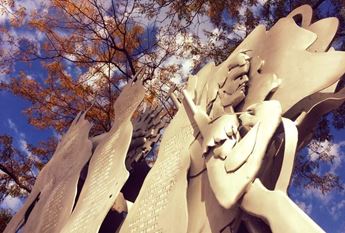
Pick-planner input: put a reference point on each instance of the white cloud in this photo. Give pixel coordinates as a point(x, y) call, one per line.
point(96, 74)
point(334, 149)
point(337, 209)
point(12, 125)
point(23, 146)
point(262, 2)
point(29, 77)
point(182, 57)
point(307, 208)
point(30, 5)
point(316, 193)
point(3, 78)
point(13, 203)
point(20, 137)
point(9, 42)
point(5, 11)
point(57, 135)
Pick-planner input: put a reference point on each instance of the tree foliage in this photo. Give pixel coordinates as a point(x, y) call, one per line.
point(17, 178)
point(87, 50)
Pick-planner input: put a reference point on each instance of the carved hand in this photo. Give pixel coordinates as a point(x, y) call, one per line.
point(277, 210)
point(230, 177)
point(267, 113)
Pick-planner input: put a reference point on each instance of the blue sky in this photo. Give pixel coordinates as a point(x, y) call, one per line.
point(327, 210)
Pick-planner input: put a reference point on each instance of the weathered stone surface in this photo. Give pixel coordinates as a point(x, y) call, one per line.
point(56, 185)
point(107, 172)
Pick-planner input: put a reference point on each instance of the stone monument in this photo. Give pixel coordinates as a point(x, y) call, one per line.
point(225, 159)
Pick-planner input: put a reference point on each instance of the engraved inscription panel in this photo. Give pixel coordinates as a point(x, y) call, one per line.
point(53, 208)
point(162, 198)
point(107, 173)
point(57, 182)
point(129, 99)
point(98, 188)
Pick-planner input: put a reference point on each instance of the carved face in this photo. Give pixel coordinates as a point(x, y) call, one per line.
point(233, 91)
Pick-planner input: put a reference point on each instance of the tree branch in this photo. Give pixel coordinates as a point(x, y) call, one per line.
point(14, 178)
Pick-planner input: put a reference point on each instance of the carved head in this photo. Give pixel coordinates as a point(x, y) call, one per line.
point(233, 91)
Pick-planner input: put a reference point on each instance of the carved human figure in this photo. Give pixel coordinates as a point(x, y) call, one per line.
point(223, 163)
